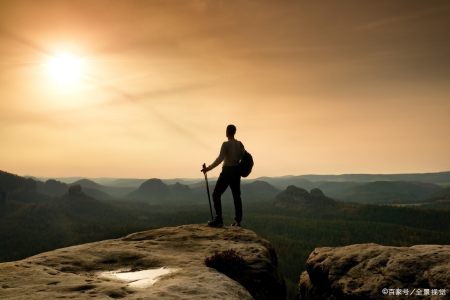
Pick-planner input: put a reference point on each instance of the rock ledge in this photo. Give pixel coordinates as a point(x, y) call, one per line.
point(73, 272)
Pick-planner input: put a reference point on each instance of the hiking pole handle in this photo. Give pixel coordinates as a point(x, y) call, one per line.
point(204, 167)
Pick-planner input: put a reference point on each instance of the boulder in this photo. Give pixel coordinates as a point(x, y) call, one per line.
point(371, 271)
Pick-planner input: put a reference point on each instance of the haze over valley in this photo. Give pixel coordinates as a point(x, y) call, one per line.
point(296, 213)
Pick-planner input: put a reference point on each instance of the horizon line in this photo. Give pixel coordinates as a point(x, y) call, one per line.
point(252, 178)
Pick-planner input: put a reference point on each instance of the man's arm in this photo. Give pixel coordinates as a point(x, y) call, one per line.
point(218, 160)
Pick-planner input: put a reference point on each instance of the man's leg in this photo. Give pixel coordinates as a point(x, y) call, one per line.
point(219, 189)
point(235, 185)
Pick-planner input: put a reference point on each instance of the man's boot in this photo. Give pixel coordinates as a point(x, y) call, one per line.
point(236, 223)
point(217, 222)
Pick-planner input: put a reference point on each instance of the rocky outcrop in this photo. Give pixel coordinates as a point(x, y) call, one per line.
point(371, 271)
point(297, 198)
point(79, 271)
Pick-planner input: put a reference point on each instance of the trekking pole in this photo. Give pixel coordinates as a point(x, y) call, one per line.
point(207, 191)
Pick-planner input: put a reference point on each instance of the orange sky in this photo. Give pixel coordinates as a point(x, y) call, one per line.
point(313, 86)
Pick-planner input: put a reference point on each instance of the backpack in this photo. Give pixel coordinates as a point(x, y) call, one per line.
point(245, 164)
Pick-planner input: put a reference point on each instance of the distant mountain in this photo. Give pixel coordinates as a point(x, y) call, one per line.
point(152, 190)
point(297, 198)
point(361, 188)
point(441, 195)
point(285, 181)
point(73, 200)
point(18, 188)
point(102, 192)
point(11, 183)
point(201, 184)
point(94, 189)
point(180, 193)
point(440, 199)
point(52, 188)
point(31, 222)
point(122, 182)
point(179, 188)
point(389, 192)
point(67, 180)
point(440, 178)
point(86, 183)
point(77, 203)
point(251, 191)
point(336, 189)
point(155, 191)
point(304, 181)
point(127, 183)
point(259, 190)
point(378, 192)
point(56, 188)
point(184, 181)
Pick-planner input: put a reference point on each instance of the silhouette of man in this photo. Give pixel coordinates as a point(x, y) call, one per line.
point(230, 153)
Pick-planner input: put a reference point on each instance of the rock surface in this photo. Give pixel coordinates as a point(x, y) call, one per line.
point(362, 271)
point(74, 272)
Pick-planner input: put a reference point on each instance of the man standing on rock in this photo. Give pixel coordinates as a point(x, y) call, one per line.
point(230, 153)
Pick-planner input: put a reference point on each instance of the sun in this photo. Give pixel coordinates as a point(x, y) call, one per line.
point(65, 69)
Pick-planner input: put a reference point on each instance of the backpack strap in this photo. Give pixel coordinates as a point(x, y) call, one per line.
point(243, 149)
point(242, 145)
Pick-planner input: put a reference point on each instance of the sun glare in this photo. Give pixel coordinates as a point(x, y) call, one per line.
point(65, 69)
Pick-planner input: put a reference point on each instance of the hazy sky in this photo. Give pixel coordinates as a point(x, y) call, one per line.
point(312, 86)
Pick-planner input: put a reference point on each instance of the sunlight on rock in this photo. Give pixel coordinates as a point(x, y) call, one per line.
point(139, 279)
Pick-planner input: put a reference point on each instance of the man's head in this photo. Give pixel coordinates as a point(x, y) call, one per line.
point(231, 131)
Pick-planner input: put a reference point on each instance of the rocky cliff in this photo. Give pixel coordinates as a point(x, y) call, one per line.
point(371, 271)
point(175, 255)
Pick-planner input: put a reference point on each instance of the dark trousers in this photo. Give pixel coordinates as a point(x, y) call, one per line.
point(229, 177)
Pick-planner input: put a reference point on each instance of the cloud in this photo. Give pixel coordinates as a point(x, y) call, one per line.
point(21, 39)
point(166, 120)
point(400, 18)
